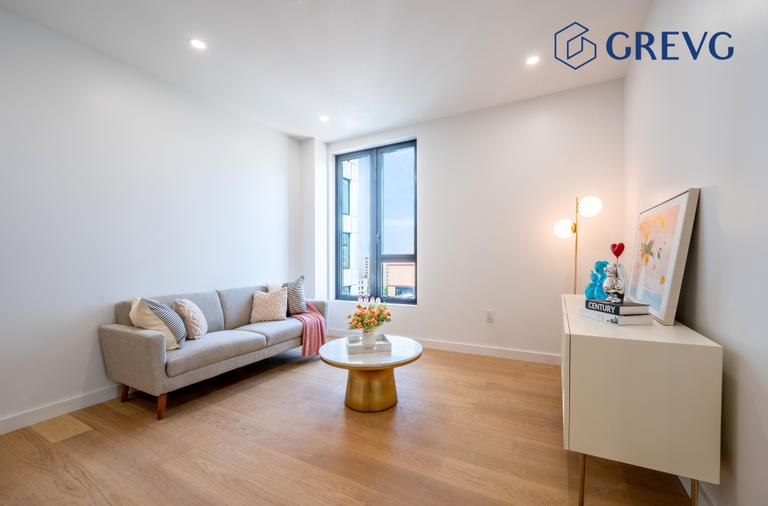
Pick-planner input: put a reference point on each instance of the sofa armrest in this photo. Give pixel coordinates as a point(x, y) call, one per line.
point(134, 357)
point(321, 306)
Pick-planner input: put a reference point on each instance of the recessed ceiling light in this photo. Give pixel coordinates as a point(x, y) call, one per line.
point(532, 60)
point(198, 44)
point(324, 118)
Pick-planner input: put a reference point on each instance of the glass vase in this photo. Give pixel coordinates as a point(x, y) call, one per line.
point(369, 339)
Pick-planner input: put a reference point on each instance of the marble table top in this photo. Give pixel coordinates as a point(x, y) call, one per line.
point(404, 351)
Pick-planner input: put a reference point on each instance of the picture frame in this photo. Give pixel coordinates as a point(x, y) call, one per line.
point(660, 250)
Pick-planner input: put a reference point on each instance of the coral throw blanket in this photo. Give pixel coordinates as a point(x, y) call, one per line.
point(313, 336)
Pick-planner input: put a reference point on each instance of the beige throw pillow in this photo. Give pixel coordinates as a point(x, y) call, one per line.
point(194, 319)
point(152, 315)
point(269, 306)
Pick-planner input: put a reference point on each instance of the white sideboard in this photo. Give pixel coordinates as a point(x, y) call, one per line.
point(648, 395)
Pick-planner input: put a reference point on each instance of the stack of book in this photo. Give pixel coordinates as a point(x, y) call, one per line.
point(623, 313)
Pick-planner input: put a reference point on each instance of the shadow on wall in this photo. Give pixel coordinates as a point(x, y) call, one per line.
point(693, 311)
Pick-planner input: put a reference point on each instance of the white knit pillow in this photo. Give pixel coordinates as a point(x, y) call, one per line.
point(194, 319)
point(269, 306)
point(153, 315)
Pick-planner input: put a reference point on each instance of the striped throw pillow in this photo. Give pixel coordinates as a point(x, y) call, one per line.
point(153, 315)
point(297, 300)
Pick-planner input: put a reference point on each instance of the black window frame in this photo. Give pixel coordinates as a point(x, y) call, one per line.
point(378, 259)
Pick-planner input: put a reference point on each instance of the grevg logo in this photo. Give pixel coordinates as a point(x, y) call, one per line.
point(572, 48)
point(575, 50)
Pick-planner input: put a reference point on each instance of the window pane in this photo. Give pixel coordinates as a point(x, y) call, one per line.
point(356, 232)
point(345, 264)
point(398, 201)
point(345, 196)
point(399, 280)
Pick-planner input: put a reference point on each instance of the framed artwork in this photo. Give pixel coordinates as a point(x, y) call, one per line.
point(662, 238)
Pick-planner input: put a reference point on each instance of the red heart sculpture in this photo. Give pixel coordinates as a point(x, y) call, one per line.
point(617, 249)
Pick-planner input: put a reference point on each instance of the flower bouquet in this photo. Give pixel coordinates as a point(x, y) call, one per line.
point(369, 315)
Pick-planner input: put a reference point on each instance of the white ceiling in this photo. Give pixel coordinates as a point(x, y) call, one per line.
point(370, 65)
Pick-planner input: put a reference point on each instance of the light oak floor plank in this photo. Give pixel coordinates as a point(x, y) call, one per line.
point(60, 428)
point(467, 430)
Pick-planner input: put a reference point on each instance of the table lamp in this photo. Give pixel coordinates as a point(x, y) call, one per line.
point(566, 228)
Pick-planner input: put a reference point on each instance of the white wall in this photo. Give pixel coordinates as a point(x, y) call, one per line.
point(702, 124)
point(113, 184)
point(490, 186)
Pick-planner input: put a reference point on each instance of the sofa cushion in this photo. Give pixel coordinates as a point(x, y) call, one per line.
point(277, 331)
point(215, 347)
point(237, 304)
point(208, 302)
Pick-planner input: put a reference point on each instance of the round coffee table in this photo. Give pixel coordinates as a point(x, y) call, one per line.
point(371, 376)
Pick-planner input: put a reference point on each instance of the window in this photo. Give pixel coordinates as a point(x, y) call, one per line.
point(376, 223)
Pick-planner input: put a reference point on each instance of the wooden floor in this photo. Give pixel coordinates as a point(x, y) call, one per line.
point(467, 430)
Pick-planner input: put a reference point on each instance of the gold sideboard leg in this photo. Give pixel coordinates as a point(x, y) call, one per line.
point(582, 476)
point(694, 492)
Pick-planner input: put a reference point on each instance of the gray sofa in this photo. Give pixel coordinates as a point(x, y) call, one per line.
point(137, 358)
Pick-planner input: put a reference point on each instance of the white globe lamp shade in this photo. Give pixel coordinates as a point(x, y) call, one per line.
point(563, 228)
point(590, 206)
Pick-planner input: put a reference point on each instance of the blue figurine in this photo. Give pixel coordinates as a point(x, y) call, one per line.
point(595, 288)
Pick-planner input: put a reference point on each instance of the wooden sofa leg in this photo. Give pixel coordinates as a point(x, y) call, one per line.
point(123, 393)
point(161, 400)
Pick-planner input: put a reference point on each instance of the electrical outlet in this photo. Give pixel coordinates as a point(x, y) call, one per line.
point(490, 316)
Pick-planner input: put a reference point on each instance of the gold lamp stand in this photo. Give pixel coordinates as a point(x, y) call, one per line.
point(567, 228)
point(575, 230)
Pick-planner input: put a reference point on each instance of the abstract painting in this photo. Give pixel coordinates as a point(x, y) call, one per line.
point(660, 249)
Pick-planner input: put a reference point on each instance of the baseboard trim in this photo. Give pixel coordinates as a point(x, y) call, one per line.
point(478, 349)
point(704, 498)
point(58, 408)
